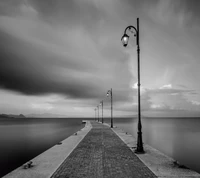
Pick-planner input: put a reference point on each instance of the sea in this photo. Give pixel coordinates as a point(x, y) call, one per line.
point(23, 139)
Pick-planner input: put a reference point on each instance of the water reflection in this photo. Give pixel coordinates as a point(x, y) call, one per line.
point(176, 137)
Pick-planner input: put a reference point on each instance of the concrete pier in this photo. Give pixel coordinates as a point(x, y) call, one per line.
point(98, 151)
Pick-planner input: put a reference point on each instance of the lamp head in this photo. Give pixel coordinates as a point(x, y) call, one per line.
point(107, 94)
point(125, 39)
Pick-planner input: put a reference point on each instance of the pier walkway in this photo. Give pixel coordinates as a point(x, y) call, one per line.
point(102, 154)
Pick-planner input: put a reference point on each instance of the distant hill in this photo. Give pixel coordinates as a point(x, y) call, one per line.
point(45, 115)
point(11, 116)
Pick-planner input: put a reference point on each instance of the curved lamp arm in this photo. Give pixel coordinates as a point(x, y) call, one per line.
point(125, 37)
point(129, 28)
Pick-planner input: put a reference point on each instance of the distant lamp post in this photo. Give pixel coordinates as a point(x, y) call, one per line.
point(110, 93)
point(124, 40)
point(101, 104)
point(95, 113)
point(98, 112)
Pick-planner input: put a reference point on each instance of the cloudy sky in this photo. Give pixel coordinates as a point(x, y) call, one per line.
point(62, 57)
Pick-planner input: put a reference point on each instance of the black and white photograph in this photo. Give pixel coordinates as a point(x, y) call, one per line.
point(100, 88)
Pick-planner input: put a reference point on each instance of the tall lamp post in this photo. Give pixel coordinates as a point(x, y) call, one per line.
point(95, 113)
point(124, 40)
point(98, 112)
point(101, 104)
point(110, 93)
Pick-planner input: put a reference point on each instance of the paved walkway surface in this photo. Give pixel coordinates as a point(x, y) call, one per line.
point(102, 154)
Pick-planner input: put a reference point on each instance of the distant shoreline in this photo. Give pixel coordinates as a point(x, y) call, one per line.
point(12, 116)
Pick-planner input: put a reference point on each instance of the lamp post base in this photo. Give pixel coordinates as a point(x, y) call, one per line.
point(139, 152)
point(139, 149)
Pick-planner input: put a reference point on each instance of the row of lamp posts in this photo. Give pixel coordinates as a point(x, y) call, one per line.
point(124, 40)
point(109, 93)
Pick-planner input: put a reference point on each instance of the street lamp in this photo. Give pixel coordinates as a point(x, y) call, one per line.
point(98, 112)
point(110, 93)
point(124, 40)
point(101, 104)
point(95, 113)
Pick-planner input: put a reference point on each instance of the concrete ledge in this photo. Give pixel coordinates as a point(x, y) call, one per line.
point(161, 165)
point(46, 164)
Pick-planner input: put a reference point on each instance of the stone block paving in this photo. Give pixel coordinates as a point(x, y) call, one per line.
point(102, 154)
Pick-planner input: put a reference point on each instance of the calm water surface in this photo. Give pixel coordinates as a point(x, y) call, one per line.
point(24, 139)
point(178, 138)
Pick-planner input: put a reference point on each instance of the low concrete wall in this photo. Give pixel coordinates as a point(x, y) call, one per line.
point(47, 163)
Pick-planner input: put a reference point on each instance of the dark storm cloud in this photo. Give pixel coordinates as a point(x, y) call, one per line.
point(63, 47)
point(27, 69)
point(35, 76)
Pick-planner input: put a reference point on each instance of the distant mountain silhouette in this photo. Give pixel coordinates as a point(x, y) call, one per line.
point(45, 115)
point(11, 116)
